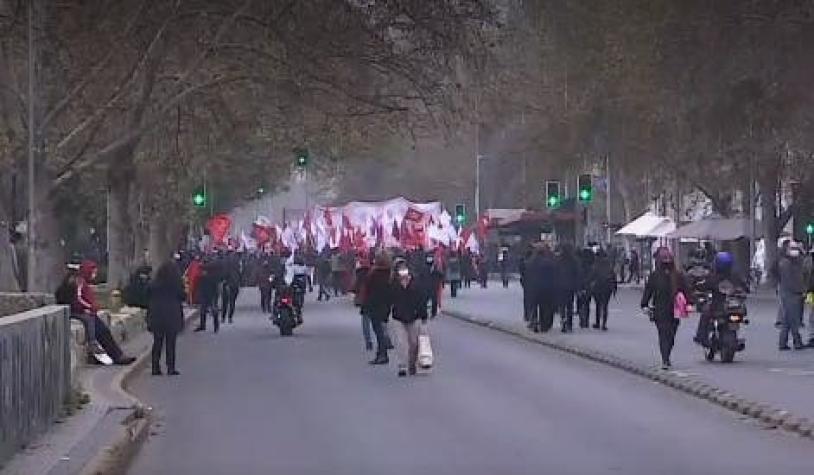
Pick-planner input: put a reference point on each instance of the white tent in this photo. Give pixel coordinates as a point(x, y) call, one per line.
point(648, 225)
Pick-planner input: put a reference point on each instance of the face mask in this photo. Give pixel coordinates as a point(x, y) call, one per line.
point(403, 273)
point(794, 253)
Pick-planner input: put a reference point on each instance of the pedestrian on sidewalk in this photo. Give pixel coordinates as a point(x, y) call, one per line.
point(359, 290)
point(603, 286)
point(377, 304)
point(569, 284)
point(409, 311)
point(231, 286)
point(635, 268)
point(792, 286)
point(165, 315)
point(586, 262)
point(323, 271)
point(543, 283)
point(660, 290)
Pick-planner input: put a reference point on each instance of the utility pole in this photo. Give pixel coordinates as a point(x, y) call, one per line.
point(31, 226)
point(608, 199)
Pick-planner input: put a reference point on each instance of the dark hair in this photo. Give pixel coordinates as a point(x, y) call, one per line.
point(167, 275)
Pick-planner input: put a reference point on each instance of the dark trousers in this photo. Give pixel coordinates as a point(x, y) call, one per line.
point(702, 333)
point(323, 291)
point(584, 308)
point(265, 298)
point(207, 308)
point(106, 340)
point(601, 300)
point(528, 305)
point(337, 278)
point(383, 342)
point(229, 301)
point(567, 310)
point(634, 274)
point(667, 328)
point(545, 307)
point(160, 340)
point(504, 276)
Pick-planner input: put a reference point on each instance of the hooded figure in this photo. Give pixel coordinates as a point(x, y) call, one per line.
point(660, 291)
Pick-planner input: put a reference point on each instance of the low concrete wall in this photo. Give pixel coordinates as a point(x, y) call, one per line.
point(35, 377)
point(13, 303)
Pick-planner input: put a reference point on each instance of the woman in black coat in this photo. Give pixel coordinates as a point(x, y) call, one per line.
point(660, 290)
point(165, 315)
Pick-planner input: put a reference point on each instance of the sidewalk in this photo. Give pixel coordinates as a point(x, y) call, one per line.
point(73, 443)
point(760, 373)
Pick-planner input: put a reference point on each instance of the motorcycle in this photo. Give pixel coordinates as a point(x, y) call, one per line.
point(285, 313)
point(725, 324)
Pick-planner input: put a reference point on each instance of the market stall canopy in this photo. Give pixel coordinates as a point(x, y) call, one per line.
point(648, 225)
point(718, 229)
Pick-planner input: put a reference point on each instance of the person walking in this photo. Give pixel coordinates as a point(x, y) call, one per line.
point(409, 306)
point(584, 296)
point(378, 303)
point(635, 268)
point(792, 286)
point(569, 283)
point(165, 315)
point(660, 290)
point(207, 296)
point(359, 290)
point(453, 269)
point(603, 286)
point(542, 276)
point(503, 264)
point(264, 283)
point(231, 287)
point(323, 271)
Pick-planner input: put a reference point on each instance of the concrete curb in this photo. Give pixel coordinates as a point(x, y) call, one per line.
point(760, 412)
point(115, 458)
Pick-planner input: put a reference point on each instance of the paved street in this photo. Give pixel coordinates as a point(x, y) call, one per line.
point(761, 372)
point(249, 402)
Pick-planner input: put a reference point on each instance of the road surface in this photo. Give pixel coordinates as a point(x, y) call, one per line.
point(250, 402)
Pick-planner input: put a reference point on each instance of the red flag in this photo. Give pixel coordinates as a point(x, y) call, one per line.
point(218, 226)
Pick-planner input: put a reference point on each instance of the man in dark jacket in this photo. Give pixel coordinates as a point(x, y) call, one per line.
point(231, 286)
point(569, 283)
point(409, 306)
point(542, 280)
point(207, 295)
point(378, 301)
point(264, 283)
point(603, 286)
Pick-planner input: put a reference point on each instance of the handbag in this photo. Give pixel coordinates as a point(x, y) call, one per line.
point(680, 306)
point(425, 356)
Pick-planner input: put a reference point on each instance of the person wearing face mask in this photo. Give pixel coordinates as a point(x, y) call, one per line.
point(409, 303)
point(661, 289)
point(792, 286)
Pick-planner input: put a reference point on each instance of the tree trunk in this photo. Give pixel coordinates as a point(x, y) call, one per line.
point(120, 177)
point(769, 189)
point(159, 245)
point(8, 279)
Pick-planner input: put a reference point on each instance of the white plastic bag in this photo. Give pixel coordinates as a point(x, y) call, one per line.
point(425, 357)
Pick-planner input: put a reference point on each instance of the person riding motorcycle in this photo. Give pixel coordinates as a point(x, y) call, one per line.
point(722, 271)
point(296, 276)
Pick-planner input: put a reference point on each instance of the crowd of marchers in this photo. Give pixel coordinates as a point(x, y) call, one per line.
point(563, 281)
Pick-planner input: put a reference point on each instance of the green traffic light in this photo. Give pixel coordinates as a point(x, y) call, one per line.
point(199, 199)
point(584, 195)
point(460, 218)
point(810, 228)
point(553, 201)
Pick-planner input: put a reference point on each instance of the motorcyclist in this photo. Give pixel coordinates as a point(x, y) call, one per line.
point(296, 276)
point(722, 272)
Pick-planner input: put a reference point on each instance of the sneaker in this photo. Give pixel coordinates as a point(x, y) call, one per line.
point(402, 372)
point(666, 366)
point(784, 348)
point(156, 372)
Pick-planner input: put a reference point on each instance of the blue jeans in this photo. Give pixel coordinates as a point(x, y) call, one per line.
point(366, 330)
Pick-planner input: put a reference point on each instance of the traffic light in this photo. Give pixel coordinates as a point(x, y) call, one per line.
point(552, 194)
point(460, 214)
point(302, 157)
point(585, 188)
point(199, 199)
point(810, 228)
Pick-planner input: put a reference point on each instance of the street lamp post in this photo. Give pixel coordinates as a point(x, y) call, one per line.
point(30, 226)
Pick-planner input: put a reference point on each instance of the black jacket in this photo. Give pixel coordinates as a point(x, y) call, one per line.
point(165, 313)
point(378, 299)
point(661, 289)
point(409, 303)
point(603, 278)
